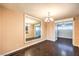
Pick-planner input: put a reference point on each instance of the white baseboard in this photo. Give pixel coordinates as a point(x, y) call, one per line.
point(26, 45)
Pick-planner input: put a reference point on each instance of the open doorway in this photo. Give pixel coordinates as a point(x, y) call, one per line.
point(64, 31)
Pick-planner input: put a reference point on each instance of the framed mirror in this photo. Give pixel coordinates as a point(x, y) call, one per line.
point(32, 28)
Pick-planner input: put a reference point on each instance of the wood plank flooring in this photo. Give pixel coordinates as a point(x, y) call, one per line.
point(62, 47)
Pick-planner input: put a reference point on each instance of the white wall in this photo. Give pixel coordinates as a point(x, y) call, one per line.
point(51, 31)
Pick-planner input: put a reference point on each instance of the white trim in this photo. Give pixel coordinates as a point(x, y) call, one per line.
point(62, 20)
point(55, 32)
point(24, 32)
point(32, 17)
point(73, 31)
point(67, 19)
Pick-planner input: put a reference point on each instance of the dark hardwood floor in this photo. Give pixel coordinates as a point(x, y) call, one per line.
point(62, 47)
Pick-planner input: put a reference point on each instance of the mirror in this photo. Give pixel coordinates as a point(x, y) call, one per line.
point(32, 28)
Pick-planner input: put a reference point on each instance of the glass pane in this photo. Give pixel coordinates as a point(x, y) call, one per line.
point(37, 30)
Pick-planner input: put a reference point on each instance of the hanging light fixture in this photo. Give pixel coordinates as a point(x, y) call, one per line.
point(48, 19)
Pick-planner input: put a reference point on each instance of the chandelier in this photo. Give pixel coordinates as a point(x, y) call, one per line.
point(48, 18)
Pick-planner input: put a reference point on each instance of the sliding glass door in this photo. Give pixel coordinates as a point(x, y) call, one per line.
point(65, 29)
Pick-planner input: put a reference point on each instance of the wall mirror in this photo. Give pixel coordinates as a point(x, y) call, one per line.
point(32, 28)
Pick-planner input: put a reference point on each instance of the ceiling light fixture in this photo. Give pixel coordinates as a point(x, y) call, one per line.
point(48, 19)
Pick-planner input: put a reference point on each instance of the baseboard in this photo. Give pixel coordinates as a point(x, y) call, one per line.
point(21, 48)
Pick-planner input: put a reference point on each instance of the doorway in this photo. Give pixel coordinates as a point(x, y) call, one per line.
point(64, 31)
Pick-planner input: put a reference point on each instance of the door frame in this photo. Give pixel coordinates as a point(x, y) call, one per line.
point(63, 20)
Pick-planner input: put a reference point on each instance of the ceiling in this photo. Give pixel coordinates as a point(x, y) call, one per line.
point(40, 10)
